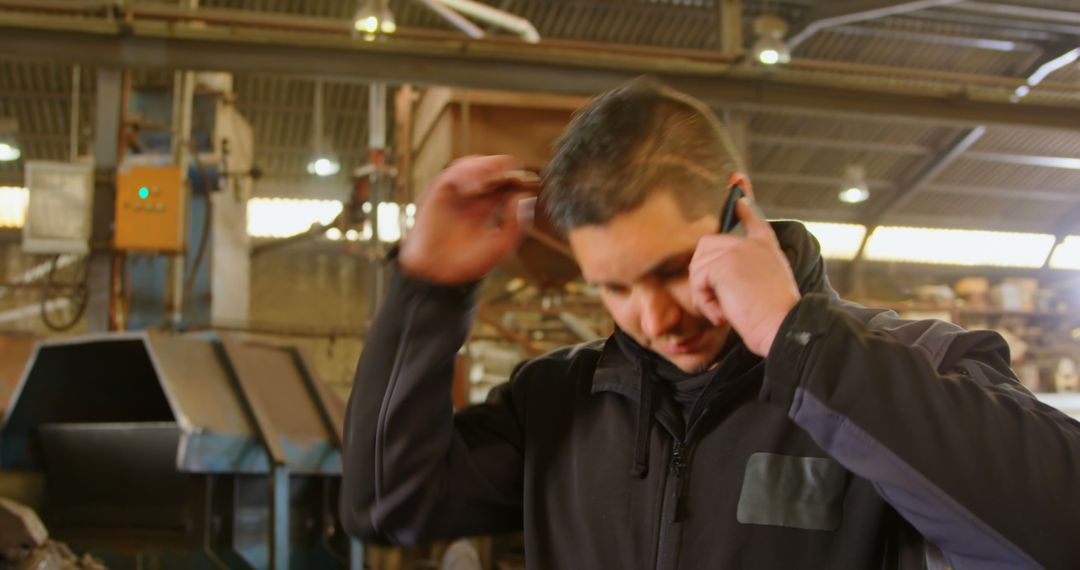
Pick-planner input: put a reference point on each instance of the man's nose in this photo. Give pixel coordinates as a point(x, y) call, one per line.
point(659, 312)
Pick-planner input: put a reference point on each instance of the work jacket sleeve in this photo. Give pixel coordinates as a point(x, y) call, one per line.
point(413, 471)
point(934, 418)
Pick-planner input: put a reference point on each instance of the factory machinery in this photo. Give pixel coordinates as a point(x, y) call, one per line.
point(167, 451)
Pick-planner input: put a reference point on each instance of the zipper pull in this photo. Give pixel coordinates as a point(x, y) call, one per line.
point(678, 468)
point(678, 459)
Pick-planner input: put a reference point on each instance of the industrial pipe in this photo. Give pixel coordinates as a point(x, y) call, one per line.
point(863, 15)
point(454, 19)
point(516, 24)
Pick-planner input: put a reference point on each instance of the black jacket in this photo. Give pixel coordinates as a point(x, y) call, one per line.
point(859, 435)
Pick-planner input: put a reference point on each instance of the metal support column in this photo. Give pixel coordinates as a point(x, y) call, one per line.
point(279, 518)
point(729, 31)
point(356, 554)
point(1066, 225)
point(379, 186)
point(107, 123)
point(183, 109)
point(74, 118)
point(243, 377)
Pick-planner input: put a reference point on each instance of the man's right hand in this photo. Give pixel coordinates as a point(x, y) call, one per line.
point(469, 220)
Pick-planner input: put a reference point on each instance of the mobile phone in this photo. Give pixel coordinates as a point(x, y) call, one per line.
point(728, 219)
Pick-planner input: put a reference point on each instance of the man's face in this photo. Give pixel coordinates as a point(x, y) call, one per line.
point(640, 263)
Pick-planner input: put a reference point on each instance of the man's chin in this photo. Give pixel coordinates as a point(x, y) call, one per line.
point(690, 363)
point(700, 357)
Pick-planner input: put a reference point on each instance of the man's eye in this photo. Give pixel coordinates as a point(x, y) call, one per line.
point(676, 273)
point(613, 289)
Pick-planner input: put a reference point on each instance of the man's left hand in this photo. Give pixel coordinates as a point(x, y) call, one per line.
point(744, 281)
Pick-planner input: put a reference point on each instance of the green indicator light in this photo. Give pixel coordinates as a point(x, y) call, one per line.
point(144, 192)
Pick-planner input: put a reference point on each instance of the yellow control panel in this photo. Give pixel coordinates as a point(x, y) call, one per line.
point(150, 209)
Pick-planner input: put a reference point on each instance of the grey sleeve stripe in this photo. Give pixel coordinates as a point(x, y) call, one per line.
point(967, 541)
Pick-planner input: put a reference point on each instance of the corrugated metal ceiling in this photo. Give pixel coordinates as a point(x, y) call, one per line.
point(38, 96)
point(898, 52)
point(798, 161)
point(1030, 141)
point(281, 112)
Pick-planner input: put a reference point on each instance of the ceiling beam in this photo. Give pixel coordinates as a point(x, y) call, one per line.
point(909, 220)
point(838, 144)
point(1043, 195)
point(933, 38)
point(297, 109)
point(950, 154)
point(1019, 28)
point(1013, 13)
point(36, 96)
point(775, 212)
point(816, 180)
point(952, 151)
point(1069, 223)
point(505, 65)
point(1063, 162)
point(831, 14)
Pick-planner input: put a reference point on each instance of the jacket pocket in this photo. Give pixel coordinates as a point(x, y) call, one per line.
point(797, 492)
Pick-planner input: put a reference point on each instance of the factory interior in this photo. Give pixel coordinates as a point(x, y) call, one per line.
point(197, 198)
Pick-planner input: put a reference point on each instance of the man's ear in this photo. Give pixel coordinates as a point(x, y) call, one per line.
point(743, 180)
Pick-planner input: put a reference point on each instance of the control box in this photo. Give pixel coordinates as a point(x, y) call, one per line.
point(150, 209)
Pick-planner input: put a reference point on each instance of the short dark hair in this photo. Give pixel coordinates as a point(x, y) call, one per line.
point(629, 143)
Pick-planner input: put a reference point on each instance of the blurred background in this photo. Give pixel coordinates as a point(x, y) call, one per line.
point(196, 196)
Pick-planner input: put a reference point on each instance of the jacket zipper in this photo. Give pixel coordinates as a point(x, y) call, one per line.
point(672, 507)
point(679, 461)
point(680, 467)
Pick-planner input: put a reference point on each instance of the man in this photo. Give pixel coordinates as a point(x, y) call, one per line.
point(742, 416)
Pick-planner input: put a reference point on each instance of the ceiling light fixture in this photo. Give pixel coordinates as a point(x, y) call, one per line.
point(770, 47)
point(372, 17)
point(9, 151)
point(9, 147)
point(324, 162)
point(855, 189)
point(854, 195)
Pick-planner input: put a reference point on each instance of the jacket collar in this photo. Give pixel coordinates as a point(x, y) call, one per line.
point(616, 371)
